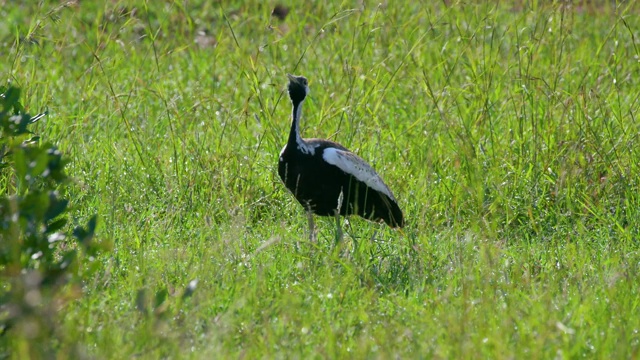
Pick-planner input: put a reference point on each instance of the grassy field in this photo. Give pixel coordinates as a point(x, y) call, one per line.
point(507, 133)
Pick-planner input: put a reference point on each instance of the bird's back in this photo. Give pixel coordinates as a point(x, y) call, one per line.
point(317, 180)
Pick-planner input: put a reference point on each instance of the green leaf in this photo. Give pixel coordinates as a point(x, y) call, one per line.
point(10, 100)
point(67, 260)
point(56, 206)
point(34, 205)
point(141, 300)
point(56, 225)
point(16, 124)
point(20, 163)
point(83, 235)
point(39, 163)
point(56, 164)
point(161, 296)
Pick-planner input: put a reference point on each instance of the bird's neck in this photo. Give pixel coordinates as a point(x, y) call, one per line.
point(294, 136)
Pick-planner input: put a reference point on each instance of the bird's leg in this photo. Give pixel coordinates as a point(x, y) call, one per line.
point(354, 239)
point(339, 235)
point(312, 227)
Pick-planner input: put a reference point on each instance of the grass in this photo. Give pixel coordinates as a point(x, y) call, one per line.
point(508, 134)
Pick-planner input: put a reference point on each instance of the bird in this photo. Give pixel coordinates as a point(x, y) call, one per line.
point(329, 180)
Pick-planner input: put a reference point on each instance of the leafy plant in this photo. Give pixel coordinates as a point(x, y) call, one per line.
point(38, 255)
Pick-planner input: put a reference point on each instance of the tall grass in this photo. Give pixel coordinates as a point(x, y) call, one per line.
point(508, 133)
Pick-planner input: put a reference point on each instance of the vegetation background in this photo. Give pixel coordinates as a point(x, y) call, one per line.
point(507, 132)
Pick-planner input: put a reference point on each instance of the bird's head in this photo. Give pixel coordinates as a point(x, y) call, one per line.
point(298, 88)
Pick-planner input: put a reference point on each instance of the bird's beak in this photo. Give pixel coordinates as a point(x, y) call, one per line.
point(292, 78)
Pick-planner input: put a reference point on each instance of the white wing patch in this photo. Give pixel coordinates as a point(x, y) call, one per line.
point(303, 146)
point(353, 165)
point(306, 148)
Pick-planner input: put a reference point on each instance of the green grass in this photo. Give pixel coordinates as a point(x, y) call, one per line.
point(508, 134)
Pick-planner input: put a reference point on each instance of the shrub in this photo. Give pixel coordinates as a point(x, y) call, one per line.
point(39, 253)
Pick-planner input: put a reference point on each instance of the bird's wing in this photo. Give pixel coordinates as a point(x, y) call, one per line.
point(353, 165)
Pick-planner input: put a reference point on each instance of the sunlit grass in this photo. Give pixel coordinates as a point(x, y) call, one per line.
point(508, 134)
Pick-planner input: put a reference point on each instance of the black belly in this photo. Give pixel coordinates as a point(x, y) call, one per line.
point(317, 185)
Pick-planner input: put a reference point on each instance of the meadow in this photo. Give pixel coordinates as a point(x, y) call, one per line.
point(507, 132)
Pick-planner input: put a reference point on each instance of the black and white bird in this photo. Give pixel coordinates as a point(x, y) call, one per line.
point(329, 180)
